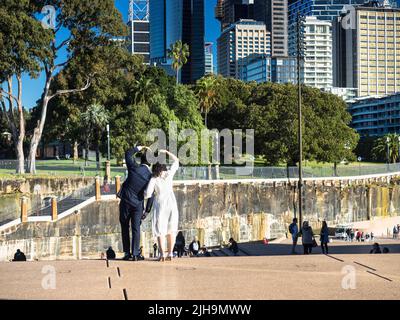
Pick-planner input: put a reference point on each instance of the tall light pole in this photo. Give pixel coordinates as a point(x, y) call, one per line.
point(398, 154)
point(388, 152)
point(108, 142)
point(300, 49)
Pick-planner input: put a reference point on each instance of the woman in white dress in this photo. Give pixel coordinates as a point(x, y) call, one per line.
point(165, 208)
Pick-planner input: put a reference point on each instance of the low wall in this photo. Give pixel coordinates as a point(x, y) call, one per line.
point(214, 211)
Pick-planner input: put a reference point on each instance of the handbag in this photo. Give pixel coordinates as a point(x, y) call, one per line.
point(314, 243)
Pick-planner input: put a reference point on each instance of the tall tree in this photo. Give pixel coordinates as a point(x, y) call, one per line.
point(207, 94)
point(87, 25)
point(23, 45)
point(95, 119)
point(179, 53)
point(389, 142)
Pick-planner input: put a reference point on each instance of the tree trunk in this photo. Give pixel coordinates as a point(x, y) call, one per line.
point(87, 152)
point(21, 137)
point(33, 150)
point(76, 156)
point(37, 132)
point(19, 147)
point(97, 156)
point(205, 119)
point(335, 169)
point(177, 76)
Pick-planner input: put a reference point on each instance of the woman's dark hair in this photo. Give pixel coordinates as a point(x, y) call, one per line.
point(180, 235)
point(324, 224)
point(158, 168)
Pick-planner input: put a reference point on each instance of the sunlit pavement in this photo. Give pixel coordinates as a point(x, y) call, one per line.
point(317, 276)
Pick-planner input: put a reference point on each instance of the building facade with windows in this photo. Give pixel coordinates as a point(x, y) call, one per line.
point(316, 68)
point(274, 13)
point(326, 10)
point(173, 20)
point(368, 55)
point(241, 40)
point(375, 115)
point(231, 11)
point(139, 27)
point(209, 58)
point(269, 69)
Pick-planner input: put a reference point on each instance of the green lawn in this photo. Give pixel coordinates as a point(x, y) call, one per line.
point(56, 168)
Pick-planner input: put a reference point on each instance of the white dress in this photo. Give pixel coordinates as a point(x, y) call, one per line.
point(165, 208)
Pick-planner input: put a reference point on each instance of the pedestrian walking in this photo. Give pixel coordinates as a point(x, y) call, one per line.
point(307, 237)
point(294, 231)
point(324, 236)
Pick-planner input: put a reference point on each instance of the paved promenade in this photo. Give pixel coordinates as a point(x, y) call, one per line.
point(244, 277)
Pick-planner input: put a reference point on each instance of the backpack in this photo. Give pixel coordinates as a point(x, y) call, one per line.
point(291, 228)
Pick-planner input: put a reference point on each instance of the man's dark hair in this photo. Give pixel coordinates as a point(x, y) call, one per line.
point(143, 158)
point(294, 219)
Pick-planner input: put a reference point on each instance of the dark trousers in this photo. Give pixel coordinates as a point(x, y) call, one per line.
point(307, 248)
point(129, 214)
point(324, 247)
point(181, 250)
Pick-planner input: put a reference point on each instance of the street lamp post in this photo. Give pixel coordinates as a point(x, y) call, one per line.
point(108, 142)
point(398, 154)
point(388, 152)
point(299, 34)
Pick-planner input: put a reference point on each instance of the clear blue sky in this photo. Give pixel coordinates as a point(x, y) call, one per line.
point(33, 88)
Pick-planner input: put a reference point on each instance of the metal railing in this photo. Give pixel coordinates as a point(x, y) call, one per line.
point(203, 172)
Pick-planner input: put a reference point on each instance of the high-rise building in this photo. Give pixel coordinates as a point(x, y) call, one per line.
point(263, 68)
point(274, 13)
point(173, 20)
point(375, 115)
point(209, 58)
point(139, 36)
point(316, 69)
point(322, 9)
point(368, 51)
point(240, 40)
point(231, 11)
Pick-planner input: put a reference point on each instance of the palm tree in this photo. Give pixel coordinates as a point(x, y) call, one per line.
point(95, 119)
point(207, 94)
point(179, 54)
point(381, 145)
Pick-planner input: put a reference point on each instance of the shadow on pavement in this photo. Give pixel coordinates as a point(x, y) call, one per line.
point(260, 249)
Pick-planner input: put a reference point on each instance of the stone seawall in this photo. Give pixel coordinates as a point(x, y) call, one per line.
point(213, 211)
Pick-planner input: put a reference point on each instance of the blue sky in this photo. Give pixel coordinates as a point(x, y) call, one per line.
point(33, 89)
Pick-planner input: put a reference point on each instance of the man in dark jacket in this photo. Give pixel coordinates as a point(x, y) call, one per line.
point(132, 200)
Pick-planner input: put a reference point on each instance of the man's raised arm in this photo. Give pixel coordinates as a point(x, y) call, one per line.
point(130, 162)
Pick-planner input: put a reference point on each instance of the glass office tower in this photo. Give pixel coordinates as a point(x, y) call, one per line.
point(173, 20)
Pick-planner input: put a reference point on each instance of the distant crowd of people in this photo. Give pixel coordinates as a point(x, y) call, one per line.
point(358, 235)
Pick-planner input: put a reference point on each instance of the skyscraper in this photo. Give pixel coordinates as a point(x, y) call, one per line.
point(173, 20)
point(274, 13)
point(231, 11)
point(369, 54)
point(139, 36)
point(209, 58)
point(322, 9)
point(316, 70)
point(241, 40)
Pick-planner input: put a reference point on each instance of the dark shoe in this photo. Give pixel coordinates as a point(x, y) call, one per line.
point(126, 257)
point(137, 258)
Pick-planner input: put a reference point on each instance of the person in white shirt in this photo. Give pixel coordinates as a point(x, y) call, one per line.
point(165, 208)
